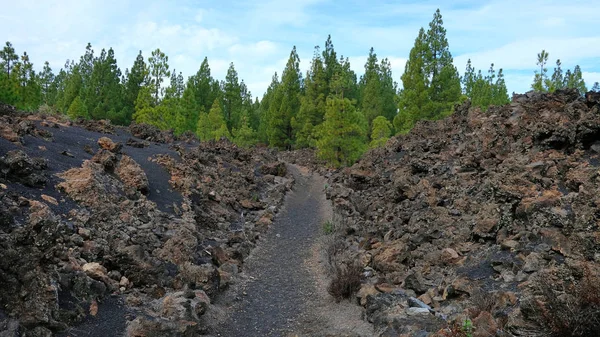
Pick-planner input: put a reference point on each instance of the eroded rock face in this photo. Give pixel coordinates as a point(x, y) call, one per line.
point(478, 202)
point(71, 238)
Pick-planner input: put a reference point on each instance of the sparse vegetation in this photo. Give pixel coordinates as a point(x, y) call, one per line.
point(328, 227)
point(346, 281)
point(566, 308)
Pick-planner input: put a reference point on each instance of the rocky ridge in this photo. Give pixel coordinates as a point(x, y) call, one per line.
point(106, 230)
point(471, 216)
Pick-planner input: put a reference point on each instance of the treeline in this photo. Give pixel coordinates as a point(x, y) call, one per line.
point(329, 108)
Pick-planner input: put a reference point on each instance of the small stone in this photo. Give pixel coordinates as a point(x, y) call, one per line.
point(108, 144)
point(509, 244)
point(85, 233)
point(532, 263)
point(67, 153)
point(412, 311)
point(50, 199)
point(366, 290)
point(414, 282)
point(124, 282)
point(94, 270)
point(449, 255)
point(521, 276)
point(508, 276)
point(416, 303)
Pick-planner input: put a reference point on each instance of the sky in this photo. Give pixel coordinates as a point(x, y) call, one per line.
point(257, 36)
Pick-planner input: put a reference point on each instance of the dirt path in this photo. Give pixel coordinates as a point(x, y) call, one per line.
point(284, 289)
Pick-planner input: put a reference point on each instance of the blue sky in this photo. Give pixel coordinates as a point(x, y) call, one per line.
point(257, 36)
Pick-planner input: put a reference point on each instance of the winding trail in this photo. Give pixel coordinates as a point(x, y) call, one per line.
point(284, 294)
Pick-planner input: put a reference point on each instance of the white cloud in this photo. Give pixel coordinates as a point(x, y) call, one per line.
point(258, 35)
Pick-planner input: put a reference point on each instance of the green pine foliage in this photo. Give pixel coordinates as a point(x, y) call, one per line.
point(414, 96)
point(312, 103)
point(285, 105)
point(484, 91)
point(444, 89)
point(569, 80)
point(146, 112)
point(328, 109)
point(216, 122)
point(232, 98)
point(342, 134)
point(203, 130)
point(78, 109)
point(380, 132)
point(244, 136)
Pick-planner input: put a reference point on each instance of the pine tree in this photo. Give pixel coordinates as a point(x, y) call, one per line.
point(218, 126)
point(265, 109)
point(203, 129)
point(500, 92)
point(176, 86)
point(232, 98)
point(557, 80)
point(134, 80)
point(244, 136)
point(158, 70)
point(485, 91)
point(9, 85)
point(414, 97)
point(381, 132)
point(468, 80)
point(312, 103)
point(105, 94)
point(86, 67)
point(203, 86)
point(331, 63)
point(47, 85)
point(286, 104)
point(342, 136)
point(370, 89)
point(540, 80)
point(444, 88)
point(596, 87)
point(9, 57)
point(78, 109)
point(187, 117)
point(146, 112)
point(575, 80)
point(389, 90)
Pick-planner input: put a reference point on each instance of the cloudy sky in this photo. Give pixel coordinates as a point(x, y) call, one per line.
point(257, 36)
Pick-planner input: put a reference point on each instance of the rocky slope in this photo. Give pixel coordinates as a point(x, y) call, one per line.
point(106, 230)
point(491, 216)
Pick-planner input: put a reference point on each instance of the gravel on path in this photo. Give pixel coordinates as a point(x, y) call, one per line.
point(283, 293)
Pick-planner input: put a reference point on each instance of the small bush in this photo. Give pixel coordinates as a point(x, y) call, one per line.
point(328, 227)
point(334, 249)
point(346, 281)
point(566, 309)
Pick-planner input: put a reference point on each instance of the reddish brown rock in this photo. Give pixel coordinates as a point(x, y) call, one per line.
point(131, 174)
